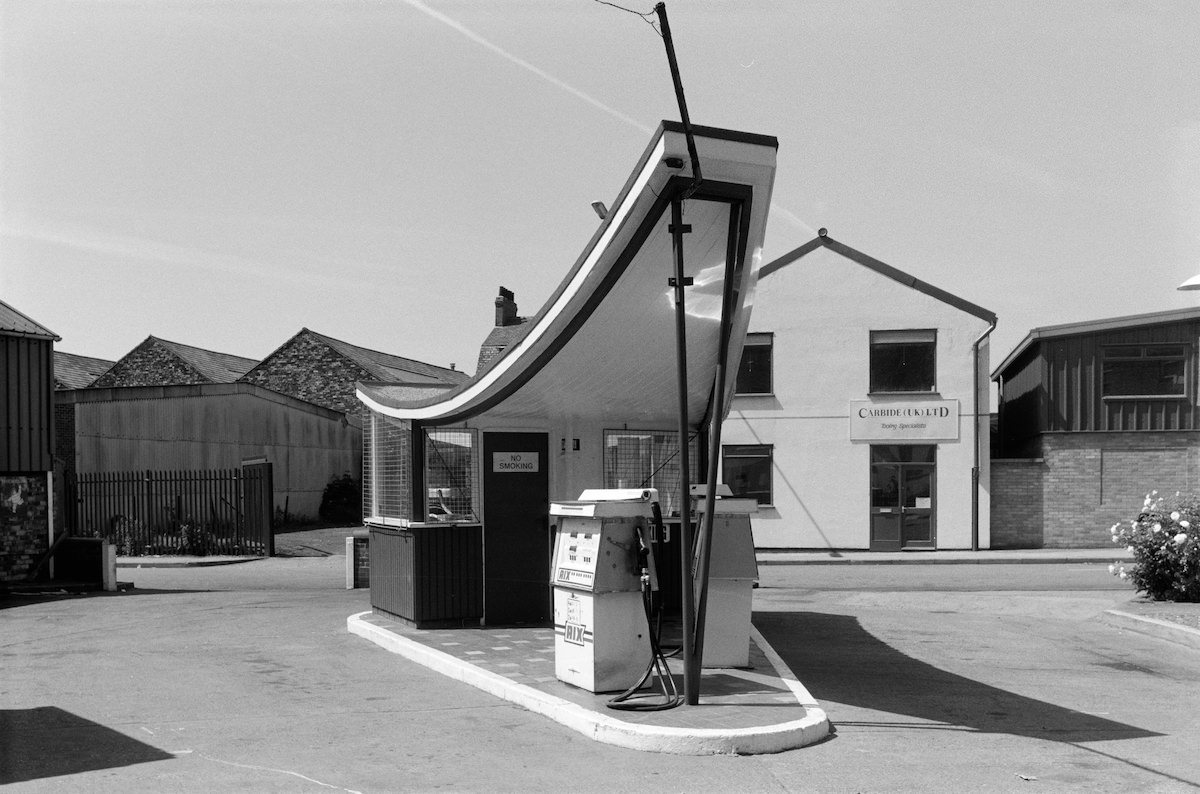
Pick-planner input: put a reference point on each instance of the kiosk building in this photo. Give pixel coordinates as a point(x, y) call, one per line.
point(587, 397)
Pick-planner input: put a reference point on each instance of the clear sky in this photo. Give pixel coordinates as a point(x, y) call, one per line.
point(222, 174)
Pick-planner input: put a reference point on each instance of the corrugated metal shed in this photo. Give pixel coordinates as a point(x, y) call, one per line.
point(26, 402)
point(1054, 380)
point(15, 323)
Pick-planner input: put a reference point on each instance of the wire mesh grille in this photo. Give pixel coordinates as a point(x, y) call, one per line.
point(647, 459)
point(387, 466)
point(452, 474)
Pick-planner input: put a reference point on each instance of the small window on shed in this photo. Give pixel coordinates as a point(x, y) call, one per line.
point(1141, 371)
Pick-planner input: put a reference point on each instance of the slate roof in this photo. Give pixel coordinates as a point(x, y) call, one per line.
point(217, 367)
point(73, 371)
point(388, 367)
point(15, 323)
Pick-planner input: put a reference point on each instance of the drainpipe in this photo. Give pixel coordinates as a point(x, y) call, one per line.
point(975, 416)
point(50, 516)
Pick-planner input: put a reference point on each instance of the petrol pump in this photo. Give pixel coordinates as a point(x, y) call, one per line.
point(601, 634)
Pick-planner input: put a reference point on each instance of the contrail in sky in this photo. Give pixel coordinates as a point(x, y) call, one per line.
point(475, 37)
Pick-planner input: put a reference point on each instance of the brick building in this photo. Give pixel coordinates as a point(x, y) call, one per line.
point(509, 329)
point(1092, 417)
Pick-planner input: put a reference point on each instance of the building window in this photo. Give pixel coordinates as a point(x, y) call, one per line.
point(746, 469)
point(754, 372)
point(903, 361)
point(1145, 371)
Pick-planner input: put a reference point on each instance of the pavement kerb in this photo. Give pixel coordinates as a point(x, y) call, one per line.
point(607, 729)
point(181, 561)
point(1153, 627)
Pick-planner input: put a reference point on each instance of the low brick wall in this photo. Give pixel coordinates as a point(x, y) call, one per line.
point(1086, 482)
point(24, 523)
point(1017, 509)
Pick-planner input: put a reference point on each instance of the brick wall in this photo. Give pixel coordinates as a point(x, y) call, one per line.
point(64, 434)
point(1017, 503)
point(308, 369)
point(1086, 482)
point(24, 523)
point(149, 364)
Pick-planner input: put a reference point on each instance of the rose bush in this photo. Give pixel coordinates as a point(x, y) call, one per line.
point(1165, 542)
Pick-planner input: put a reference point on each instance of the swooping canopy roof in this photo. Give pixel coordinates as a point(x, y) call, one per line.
point(604, 345)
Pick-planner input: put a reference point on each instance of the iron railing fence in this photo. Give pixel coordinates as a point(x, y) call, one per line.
point(173, 512)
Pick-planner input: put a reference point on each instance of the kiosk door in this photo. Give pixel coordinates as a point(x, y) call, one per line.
point(516, 528)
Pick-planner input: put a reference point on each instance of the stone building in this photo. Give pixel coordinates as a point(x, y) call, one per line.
point(159, 362)
point(322, 370)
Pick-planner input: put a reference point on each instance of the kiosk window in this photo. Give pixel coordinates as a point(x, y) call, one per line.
point(746, 469)
point(754, 372)
point(903, 361)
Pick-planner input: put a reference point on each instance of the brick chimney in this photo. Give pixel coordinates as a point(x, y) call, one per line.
point(506, 309)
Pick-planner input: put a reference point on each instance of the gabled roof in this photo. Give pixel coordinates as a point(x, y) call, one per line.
point(1094, 326)
point(824, 240)
point(387, 367)
point(15, 323)
point(217, 367)
point(73, 371)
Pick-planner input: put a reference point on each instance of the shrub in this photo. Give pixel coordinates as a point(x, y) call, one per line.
point(341, 502)
point(1165, 542)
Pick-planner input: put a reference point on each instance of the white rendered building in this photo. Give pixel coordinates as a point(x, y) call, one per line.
point(861, 414)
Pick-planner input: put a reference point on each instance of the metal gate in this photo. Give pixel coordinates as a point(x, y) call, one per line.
point(258, 504)
point(221, 511)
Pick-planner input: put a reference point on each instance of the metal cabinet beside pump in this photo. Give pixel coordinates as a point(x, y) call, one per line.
point(733, 570)
point(601, 634)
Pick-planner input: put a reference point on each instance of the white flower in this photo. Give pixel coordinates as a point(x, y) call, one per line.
point(1112, 568)
point(1181, 539)
point(1158, 527)
point(1129, 549)
point(1116, 539)
point(1174, 515)
point(1185, 523)
point(1124, 575)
